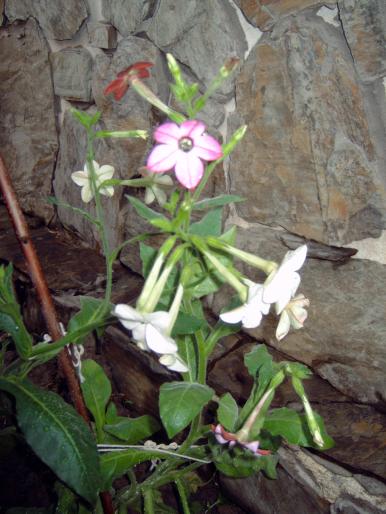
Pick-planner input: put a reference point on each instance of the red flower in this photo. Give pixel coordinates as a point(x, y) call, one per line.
point(121, 84)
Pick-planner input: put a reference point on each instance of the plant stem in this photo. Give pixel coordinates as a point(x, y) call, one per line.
point(183, 496)
point(148, 499)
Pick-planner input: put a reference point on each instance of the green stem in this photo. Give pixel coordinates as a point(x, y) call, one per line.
point(101, 222)
point(183, 496)
point(148, 499)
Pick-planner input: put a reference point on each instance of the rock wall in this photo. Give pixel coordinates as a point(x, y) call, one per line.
point(311, 87)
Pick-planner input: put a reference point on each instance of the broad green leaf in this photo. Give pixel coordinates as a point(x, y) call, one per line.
point(218, 201)
point(228, 412)
point(292, 426)
point(11, 320)
point(144, 211)
point(180, 403)
point(186, 324)
point(298, 370)
point(90, 311)
point(115, 464)
point(96, 390)
point(132, 430)
point(58, 435)
point(67, 500)
point(111, 414)
point(209, 225)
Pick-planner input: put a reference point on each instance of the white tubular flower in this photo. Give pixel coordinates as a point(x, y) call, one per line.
point(282, 283)
point(83, 179)
point(140, 323)
point(156, 191)
point(250, 313)
point(293, 315)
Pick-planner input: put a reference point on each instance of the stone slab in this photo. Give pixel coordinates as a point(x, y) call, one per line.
point(72, 72)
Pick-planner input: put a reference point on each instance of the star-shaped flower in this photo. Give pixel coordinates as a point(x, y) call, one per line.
point(156, 191)
point(83, 179)
point(121, 84)
point(147, 328)
point(282, 283)
point(293, 315)
point(250, 313)
point(183, 147)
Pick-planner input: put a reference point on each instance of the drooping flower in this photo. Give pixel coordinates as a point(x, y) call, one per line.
point(173, 362)
point(250, 313)
point(293, 315)
point(121, 84)
point(183, 147)
point(146, 327)
point(156, 190)
point(282, 283)
point(224, 437)
point(83, 179)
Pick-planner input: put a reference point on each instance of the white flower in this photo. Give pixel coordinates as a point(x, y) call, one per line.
point(83, 179)
point(156, 190)
point(293, 315)
point(282, 283)
point(148, 329)
point(250, 313)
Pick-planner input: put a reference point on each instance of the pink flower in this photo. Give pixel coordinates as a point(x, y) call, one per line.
point(224, 437)
point(183, 148)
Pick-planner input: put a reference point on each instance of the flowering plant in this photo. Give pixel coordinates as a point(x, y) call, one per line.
point(168, 319)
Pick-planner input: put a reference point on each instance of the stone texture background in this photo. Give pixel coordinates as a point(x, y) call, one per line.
point(311, 87)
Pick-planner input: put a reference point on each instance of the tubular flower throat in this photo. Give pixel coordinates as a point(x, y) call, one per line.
point(119, 86)
point(183, 147)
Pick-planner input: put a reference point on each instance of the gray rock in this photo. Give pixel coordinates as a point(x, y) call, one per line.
point(364, 25)
point(72, 71)
point(59, 19)
point(126, 15)
point(201, 35)
point(28, 138)
point(1, 11)
point(308, 159)
point(102, 35)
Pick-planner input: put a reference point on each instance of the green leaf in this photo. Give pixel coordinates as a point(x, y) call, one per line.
point(90, 311)
point(132, 430)
point(298, 370)
point(180, 403)
point(85, 119)
point(11, 320)
point(116, 464)
point(228, 412)
point(293, 427)
point(54, 201)
point(147, 254)
point(209, 225)
point(186, 324)
point(144, 211)
point(217, 201)
point(96, 390)
point(67, 500)
point(58, 435)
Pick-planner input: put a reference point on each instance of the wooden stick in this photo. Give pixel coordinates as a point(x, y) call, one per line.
point(49, 312)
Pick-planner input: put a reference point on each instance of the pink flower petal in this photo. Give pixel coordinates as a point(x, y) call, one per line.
point(189, 170)
point(168, 133)
point(193, 129)
point(207, 148)
point(162, 158)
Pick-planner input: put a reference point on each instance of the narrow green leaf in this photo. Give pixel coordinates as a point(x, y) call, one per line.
point(217, 201)
point(96, 390)
point(180, 403)
point(144, 211)
point(54, 201)
point(209, 225)
point(133, 430)
point(58, 435)
point(228, 412)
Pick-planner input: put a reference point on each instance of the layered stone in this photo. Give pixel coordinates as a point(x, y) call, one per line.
point(72, 71)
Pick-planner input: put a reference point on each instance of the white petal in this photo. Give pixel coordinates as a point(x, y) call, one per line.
point(80, 178)
point(149, 196)
point(252, 317)
point(294, 260)
point(160, 195)
point(158, 342)
point(159, 320)
point(174, 363)
point(139, 336)
point(126, 312)
point(107, 191)
point(283, 326)
point(96, 167)
point(233, 316)
point(86, 193)
point(105, 172)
